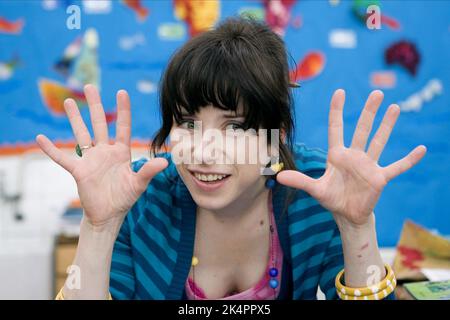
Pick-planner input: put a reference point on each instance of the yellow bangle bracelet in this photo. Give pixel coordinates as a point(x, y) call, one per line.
point(376, 296)
point(387, 285)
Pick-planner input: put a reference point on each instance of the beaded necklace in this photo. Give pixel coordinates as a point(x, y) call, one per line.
point(273, 271)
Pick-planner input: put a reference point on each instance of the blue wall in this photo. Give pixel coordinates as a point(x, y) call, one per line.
point(422, 194)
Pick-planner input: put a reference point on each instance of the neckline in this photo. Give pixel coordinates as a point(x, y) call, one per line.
point(184, 202)
point(274, 248)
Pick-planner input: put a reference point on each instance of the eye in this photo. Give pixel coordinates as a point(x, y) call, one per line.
point(187, 124)
point(235, 126)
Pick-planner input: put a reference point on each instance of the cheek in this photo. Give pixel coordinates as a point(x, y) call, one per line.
point(247, 149)
point(248, 175)
point(181, 146)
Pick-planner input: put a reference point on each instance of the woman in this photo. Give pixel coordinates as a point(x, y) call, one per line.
point(200, 228)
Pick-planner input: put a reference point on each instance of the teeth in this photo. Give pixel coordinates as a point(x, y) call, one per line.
point(209, 177)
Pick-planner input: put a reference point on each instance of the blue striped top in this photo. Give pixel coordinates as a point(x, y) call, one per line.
point(153, 251)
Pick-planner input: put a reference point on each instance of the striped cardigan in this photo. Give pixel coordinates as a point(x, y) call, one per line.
point(153, 251)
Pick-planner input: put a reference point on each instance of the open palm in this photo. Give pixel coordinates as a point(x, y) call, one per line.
point(353, 180)
point(107, 185)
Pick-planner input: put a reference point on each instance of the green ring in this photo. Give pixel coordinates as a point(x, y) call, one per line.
point(78, 150)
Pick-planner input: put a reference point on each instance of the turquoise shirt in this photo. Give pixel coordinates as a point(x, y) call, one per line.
point(153, 251)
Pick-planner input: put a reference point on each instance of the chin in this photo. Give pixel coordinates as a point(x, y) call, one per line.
point(212, 203)
point(212, 200)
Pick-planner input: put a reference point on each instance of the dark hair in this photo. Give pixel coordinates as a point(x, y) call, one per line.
point(240, 61)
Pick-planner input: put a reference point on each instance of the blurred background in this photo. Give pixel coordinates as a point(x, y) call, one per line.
point(50, 48)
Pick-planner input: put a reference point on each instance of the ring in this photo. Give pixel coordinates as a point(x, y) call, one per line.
point(79, 150)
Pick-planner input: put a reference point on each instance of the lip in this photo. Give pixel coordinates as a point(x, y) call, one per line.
point(208, 186)
point(208, 172)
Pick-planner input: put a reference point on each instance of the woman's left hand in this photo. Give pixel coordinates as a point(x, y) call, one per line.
point(353, 180)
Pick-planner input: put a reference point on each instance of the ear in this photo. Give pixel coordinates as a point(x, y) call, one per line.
point(283, 135)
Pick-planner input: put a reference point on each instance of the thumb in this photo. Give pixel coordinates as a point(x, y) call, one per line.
point(298, 180)
point(151, 168)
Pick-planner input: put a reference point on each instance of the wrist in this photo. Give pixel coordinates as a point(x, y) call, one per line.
point(99, 238)
point(112, 225)
point(347, 226)
point(362, 257)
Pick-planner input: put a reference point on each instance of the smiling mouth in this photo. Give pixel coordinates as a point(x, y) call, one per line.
point(209, 178)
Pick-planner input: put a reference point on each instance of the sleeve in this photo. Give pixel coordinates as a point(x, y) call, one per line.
point(332, 264)
point(122, 278)
point(122, 275)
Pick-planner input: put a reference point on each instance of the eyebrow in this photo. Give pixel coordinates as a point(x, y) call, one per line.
point(228, 116)
point(233, 116)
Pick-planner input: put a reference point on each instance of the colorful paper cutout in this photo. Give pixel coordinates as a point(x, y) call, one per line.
point(254, 12)
point(172, 31)
point(11, 27)
point(130, 42)
point(96, 6)
point(342, 39)
point(86, 69)
point(146, 86)
point(309, 67)
point(54, 93)
point(79, 66)
point(278, 14)
point(359, 9)
point(7, 68)
point(415, 102)
point(383, 79)
point(64, 64)
point(405, 54)
point(136, 5)
point(199, 15)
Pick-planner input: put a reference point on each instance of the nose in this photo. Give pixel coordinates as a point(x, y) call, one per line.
point(207, 148)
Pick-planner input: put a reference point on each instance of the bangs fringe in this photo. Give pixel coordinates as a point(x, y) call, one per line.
point(210, 77)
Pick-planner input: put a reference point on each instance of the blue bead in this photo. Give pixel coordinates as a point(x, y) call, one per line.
point(273, 272)
point(270, 183)
point(273, 283)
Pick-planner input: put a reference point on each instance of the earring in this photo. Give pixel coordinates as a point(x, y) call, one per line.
point(275, 168)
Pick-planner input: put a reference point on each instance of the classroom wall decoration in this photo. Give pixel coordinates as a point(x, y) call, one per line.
point(126, 45)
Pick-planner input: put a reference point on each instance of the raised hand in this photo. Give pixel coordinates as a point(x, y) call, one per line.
point(107, 185)
point(353, 180)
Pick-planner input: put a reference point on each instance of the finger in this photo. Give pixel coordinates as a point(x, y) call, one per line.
point(383, 133)
point(335, 122)
point(55, 154)
point(298, 180)
point(148, 171)
point(123, 124)
point(98, 118)
point(404, 164)
point(79, 128)
point(365, 122)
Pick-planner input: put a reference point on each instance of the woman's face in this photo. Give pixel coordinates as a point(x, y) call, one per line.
point(217, 159)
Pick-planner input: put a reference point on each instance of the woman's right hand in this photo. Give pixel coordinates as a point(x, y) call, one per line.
point(107, 185)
